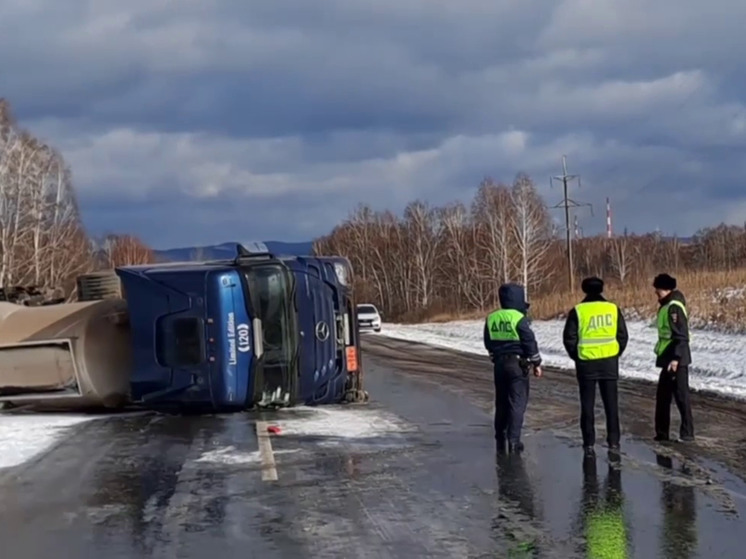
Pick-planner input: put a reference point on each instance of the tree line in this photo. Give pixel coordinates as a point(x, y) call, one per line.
point(452, 259)
point(42, 239)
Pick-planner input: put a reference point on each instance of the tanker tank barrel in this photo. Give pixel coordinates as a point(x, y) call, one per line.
point(70, 356)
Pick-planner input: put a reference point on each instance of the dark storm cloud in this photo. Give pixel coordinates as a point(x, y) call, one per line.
point(276, 117)
point(173, 221)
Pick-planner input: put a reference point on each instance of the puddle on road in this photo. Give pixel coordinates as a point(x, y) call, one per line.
point(618, 507)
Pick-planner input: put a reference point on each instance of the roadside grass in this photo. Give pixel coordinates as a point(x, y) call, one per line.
point(715, 300)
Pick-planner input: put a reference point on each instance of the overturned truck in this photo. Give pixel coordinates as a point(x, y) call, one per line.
point(255, 331)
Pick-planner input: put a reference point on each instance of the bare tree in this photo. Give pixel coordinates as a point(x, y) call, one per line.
point(458, 265)
point(531, 227)
point(126, 250)
point(42, 240)
point(493, 219)
point(382, 251)
point(423, 229)
point(434, 260)
point(621, 254)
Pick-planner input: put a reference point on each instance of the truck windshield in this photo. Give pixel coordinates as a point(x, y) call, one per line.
point(270, 291)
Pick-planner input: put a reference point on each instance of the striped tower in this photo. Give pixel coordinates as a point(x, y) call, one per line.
point(608, 219)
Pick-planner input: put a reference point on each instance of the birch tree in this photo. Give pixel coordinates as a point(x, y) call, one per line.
point(621, 254)
point(42, 240)
point(422, 228)
point(457, 265)
point(493, 220)
point(531, 228)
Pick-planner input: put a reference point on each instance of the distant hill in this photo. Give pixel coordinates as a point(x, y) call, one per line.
point(226, 250)
point(682, 240)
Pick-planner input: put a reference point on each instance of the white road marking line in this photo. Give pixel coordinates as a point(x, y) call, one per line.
point(269, 468)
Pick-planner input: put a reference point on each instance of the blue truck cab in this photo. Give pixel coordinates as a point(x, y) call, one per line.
point(257, 330)
point(328, 329)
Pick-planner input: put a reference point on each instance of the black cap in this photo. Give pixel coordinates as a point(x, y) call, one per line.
point(665, 282)
point(592, 286)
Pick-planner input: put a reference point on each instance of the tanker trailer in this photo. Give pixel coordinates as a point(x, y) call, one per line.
point(73, 355)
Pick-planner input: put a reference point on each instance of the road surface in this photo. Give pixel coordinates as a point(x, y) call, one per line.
point(411, 474)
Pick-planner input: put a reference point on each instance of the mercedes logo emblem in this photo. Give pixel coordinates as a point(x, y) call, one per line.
point(322, 331)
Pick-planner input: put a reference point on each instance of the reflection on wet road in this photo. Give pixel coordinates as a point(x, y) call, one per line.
point(679, 506)
point(602, 519)
point(413, 474)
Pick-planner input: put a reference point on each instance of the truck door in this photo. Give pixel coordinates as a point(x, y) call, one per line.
point(323, 332)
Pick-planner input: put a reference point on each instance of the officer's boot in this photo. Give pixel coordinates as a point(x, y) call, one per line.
point(501, 446)
point(515, 447)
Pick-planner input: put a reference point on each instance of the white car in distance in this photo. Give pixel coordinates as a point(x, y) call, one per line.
point(368, 317)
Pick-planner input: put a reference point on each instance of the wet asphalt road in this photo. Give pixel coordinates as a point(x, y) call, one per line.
point(411, 474)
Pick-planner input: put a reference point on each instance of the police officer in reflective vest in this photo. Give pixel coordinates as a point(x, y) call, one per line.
point(513, 349)
point(595, 337)
point(673, 356)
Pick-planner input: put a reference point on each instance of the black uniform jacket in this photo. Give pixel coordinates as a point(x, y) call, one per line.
point(678, 349)
point(598, 369)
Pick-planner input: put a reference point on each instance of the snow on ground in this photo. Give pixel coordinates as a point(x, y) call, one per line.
point(231, 456)
point(719, 360)
point(328, 427)
point(26, 436)
point(333, 425)
point(729, 294)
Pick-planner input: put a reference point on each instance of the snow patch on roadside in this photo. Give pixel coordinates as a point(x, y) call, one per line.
point(26, 436)
point(719, 359)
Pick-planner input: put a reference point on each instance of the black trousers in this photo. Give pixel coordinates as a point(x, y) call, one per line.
point(673, 386)
point(610, 399)
point(511, 399)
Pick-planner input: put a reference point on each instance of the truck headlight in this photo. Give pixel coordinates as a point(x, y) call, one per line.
point(341, 272)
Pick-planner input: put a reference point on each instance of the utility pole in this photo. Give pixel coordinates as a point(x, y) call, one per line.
point(568, 203)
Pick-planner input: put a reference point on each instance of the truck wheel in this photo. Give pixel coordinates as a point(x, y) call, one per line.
point(359, 396)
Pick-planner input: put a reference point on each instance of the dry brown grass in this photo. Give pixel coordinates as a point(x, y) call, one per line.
point(713, 299)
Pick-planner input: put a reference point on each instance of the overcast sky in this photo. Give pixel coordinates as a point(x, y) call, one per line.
point(200, 121)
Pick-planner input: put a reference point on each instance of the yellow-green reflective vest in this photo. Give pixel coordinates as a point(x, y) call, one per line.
point(597, 327)
point(503, 325)
point(664, 328)
point(606, 535)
